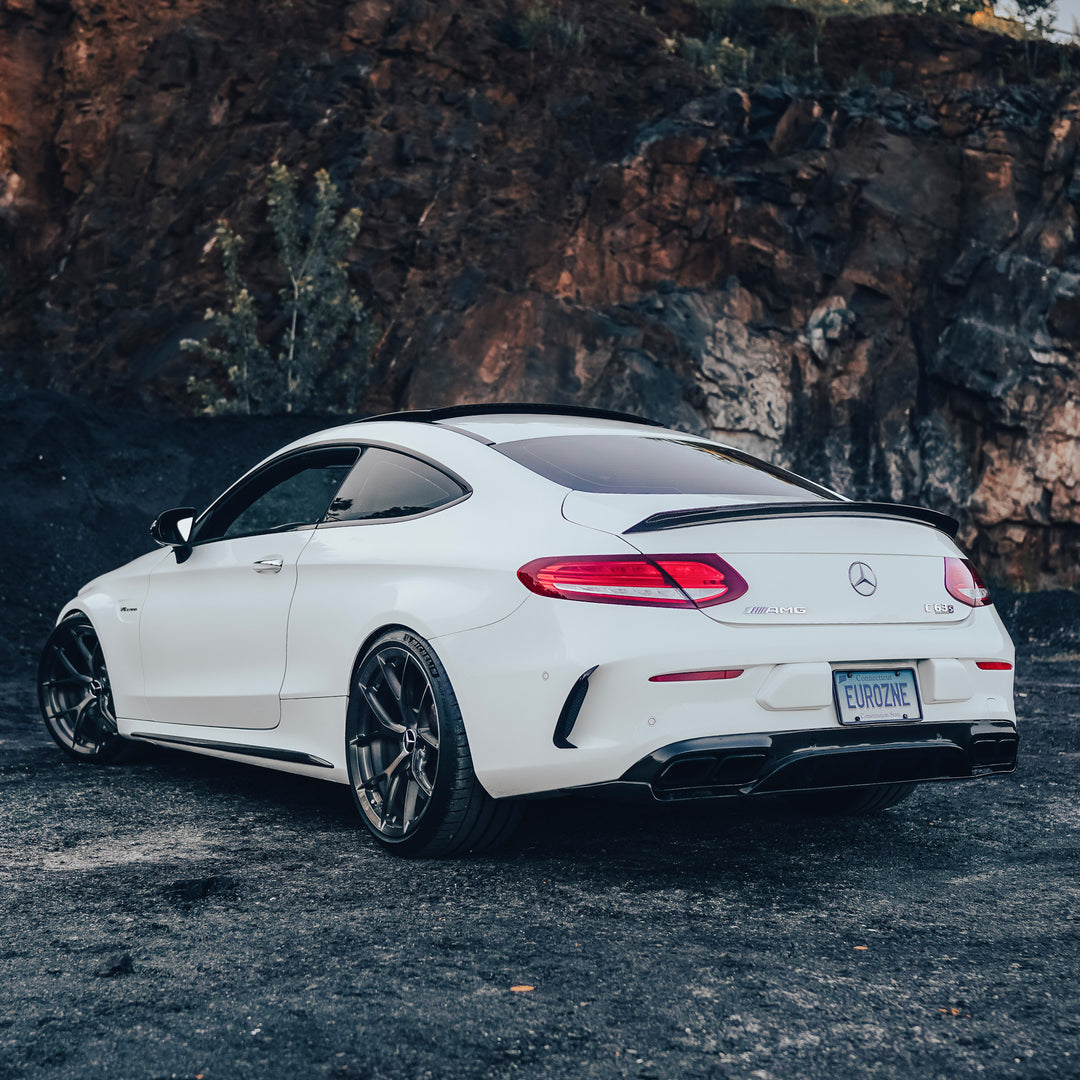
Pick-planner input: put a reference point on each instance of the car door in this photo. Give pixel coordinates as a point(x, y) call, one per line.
point(213, 628)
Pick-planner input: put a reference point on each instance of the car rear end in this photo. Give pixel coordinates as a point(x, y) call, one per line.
point(767, 639)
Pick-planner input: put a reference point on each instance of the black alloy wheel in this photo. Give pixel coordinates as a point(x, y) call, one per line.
point(410, 769)
point(75, 695)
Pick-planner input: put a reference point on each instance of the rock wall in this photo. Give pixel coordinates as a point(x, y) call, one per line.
point(878, 285)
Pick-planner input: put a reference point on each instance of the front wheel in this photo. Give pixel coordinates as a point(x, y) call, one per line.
point(75, 695)
point(410, 769)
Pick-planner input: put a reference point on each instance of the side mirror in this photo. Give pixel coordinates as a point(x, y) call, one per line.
point(173, 529)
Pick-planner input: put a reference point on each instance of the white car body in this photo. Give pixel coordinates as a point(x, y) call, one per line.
point(246, 648)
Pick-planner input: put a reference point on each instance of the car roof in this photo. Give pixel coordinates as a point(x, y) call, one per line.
point(425, 431)
point(497, 423)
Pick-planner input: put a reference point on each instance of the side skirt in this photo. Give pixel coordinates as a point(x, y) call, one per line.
point(271, 752)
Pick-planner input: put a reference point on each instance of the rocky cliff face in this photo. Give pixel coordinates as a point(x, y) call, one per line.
point(878, 285)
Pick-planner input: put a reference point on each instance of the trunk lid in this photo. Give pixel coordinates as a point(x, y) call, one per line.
point(837, 566)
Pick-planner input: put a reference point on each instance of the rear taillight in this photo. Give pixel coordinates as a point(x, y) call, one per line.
point(993, 665)
point(673, 581)
point(963, 583)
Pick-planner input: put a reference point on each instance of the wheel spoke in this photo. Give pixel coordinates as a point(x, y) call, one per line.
point(87, 654)
point(381, 715)
point(391, 795)
point(80, 716)
point(412, 789)
point(387, 774)
point(425, 697)
point(423, 782)
point(76, 707)
point(391, 677)
point(414, 676)
point(428, 730)
point(70, 666)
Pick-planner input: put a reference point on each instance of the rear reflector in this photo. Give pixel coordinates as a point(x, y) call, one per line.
point(993, 665)
point(673, 581)
point(697, 676)
point(962, 582)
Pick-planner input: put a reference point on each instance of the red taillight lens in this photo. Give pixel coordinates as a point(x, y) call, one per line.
point(963, 583)
point(698, 676)
point(679, 581)
point(993, 665)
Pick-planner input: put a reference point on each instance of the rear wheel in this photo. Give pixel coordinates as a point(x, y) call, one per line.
point(852, 801)
point(75, 695)
point(409, 763)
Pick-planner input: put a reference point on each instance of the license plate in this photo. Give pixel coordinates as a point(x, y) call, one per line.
point(876, 697)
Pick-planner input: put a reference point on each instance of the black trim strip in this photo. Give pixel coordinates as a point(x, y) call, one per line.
point(431, 416)
point(571, 707)
point(271, 752)
point(705, 515)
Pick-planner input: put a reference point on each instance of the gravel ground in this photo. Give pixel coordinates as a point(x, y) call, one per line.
point(183, 917)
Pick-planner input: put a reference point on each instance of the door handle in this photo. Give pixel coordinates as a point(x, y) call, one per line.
point(267, 566)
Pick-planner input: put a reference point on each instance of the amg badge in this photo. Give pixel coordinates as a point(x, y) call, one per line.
point(787, 610)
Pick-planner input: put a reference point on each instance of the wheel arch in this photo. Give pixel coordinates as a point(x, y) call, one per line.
point(386, 628)
point(73, 611)
point(372, 637)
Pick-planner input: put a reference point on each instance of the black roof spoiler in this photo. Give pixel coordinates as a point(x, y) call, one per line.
point(707, 515)
point(454, 412)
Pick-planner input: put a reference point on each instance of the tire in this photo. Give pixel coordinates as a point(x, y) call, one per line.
point(75, 695)
point(852, 802)
point(410, 770)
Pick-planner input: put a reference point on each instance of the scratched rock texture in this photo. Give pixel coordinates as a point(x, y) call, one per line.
point(878, 285)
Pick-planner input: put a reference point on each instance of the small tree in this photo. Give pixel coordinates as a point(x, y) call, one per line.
point(241, 354)
point(322, 311)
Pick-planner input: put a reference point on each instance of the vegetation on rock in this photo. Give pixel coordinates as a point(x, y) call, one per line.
point(320, 358)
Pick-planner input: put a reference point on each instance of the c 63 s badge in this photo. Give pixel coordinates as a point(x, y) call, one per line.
point(938, 609)
point(774, 610)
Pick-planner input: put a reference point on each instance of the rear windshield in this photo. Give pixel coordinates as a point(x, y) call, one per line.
point(654, 465)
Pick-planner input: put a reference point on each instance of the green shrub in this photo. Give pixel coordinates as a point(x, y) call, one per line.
point(324, 319)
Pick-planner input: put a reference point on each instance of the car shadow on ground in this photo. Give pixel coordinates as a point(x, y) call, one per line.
point(760, 841)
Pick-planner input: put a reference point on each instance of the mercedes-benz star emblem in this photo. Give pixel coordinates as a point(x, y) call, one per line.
point(862, 579)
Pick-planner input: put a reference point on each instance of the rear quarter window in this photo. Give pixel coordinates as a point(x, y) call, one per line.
point(386, 484)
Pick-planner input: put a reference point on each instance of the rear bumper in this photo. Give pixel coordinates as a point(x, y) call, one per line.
point(730, 766)
point(514, 679)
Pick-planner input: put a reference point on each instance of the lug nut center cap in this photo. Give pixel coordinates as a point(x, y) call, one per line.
point(408, 740)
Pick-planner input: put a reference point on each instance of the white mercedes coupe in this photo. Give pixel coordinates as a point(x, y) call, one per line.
point(455, 609)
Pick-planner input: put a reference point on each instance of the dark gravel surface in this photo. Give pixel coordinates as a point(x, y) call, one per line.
point(182, 917)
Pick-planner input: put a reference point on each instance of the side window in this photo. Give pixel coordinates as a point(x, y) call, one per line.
point(286, 495)
point(386, 484)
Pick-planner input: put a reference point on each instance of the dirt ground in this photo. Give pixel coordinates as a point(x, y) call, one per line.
point(184, 917)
